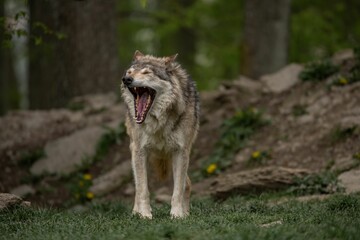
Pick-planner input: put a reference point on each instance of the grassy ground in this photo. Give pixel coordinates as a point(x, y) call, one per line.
point(337, 217)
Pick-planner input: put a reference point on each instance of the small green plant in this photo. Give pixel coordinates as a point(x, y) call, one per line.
point(76, 106)
point(113, 136)
point(299, 110)
point(107, 140)
point(80, 188)
point(318, 71)
point(28, 158)
point(339, 134)
point(258, 158)
point(353, 75)
point(235, 131)
point(323, 183)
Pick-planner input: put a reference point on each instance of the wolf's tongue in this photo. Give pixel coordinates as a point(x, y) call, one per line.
point(141, 107)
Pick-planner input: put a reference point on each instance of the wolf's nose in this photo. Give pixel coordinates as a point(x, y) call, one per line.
point(127, 80)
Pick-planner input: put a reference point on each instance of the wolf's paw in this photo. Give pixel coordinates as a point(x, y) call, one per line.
point(177, 213)
point(143, 211)
point(143, 214)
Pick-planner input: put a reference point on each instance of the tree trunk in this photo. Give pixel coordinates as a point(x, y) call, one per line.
point(2, 107)
point(183, 39)
point(266, 36)
point(9, 95)
point(84, 62)
point(186, 41)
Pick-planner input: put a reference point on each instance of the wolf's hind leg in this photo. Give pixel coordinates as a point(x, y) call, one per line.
point(180, 166)
point(142, 198)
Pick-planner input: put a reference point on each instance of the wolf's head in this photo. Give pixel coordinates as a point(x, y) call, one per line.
point(148, 84)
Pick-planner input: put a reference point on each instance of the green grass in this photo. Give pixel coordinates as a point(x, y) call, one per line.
point(237, 218)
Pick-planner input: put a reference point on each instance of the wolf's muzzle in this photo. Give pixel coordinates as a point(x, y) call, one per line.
point(127, 80)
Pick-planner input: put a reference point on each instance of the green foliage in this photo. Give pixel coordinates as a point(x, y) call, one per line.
point(113, 136)
point(322, 183)
point(318, 29)
point(161, 30)
point(337, 217)
point(76, 106)
point(351, 76)
point(79, 188)
point(298, 110)
point(339, 134)
point(258, 158)
point(357, 156)
point(318, 71)
point(29, 157)
point(235, 131)
point(10, 31)
point(81, 181)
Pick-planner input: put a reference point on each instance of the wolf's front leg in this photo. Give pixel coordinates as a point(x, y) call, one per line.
point(179, 208)
point(142, 199)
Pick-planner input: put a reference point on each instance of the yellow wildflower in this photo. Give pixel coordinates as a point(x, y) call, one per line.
point(87, 176)
point(255, 154)
point(211, 168)
point(90, 195)
point(343, 81)
point(81, 183)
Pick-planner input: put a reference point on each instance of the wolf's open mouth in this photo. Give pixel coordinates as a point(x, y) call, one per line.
point(143, 99)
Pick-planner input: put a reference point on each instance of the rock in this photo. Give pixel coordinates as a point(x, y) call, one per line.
point(245, 84)
point(29, 130)
point(8, 200)
point(163, 195)
point(320, 106)
point(282, 80)
point(266, 225)
point(250, 181)
point(65, 154)
point(163, 198)
point(344, 164)
point(23, 190)
point(350, 180)
point(94, 103)
point(112, 179)
point(129, 189)
point(350, 122)
point(305, 119)
point(341, 56)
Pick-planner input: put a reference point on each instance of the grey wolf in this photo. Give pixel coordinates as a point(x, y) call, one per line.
point(162, 122)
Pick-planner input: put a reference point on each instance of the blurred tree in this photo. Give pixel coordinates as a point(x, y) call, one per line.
point(318, 29)
point(180, 36)
point(74, 52)
point(266, 34)
point(9, 94)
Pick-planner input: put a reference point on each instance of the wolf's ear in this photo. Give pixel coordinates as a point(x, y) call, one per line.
point(170, 59)
point(137, 55)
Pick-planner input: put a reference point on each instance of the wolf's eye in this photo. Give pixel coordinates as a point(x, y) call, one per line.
point(128, 72)
point(145, 71)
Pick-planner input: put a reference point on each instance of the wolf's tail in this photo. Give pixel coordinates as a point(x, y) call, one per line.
point(162, 168)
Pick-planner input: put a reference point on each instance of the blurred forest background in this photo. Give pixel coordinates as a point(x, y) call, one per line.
point(53, 50)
